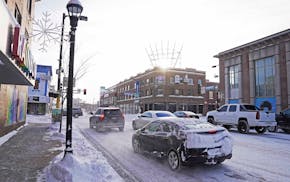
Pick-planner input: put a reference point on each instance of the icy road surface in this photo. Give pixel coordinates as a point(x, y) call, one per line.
point(255, 157)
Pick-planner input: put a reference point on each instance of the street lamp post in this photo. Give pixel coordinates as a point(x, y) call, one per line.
point(75, 9)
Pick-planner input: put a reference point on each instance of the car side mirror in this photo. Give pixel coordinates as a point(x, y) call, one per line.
point(91, 113)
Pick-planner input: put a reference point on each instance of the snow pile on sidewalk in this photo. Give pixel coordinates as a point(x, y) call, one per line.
point(85, 164)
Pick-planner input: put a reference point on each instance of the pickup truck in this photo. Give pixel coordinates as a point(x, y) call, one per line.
point(242, 116)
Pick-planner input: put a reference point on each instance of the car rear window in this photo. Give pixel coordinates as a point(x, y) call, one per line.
point(249, 108)
point(162, 114)
point(112, 112)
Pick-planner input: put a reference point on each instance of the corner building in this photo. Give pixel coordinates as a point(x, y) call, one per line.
point(158, 89)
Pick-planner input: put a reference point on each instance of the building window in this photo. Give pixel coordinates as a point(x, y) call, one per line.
point(160, 79)
point(265, 75)
point(159, 91)
point(199, 85)
point(200, 109)
point(148, 92)
point(17, 15)
point(29, 5)
point(176, 92)
point(210, 94)
point(234, 81)
point(190, 92)
point(171, 80)
point(190, 81)
point(233, 75)
point(147, 81)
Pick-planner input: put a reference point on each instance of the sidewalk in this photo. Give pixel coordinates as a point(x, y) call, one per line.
point(35, 153)
point(24, 156)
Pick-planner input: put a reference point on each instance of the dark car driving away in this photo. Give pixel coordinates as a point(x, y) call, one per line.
point(76, 112)
point(107, 117)
point(184, 141)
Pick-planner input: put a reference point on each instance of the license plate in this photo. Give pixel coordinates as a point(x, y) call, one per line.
point(214, 151)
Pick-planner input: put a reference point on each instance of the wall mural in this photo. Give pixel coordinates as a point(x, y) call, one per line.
point(13, 104)
point(266, 104)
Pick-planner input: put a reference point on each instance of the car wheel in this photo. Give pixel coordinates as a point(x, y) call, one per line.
point(136, 145)
point(220, 161)
point(121, 129)
point(273, 129)
point(243, 126)
point(173, 160)
point(260, 129)
point(210, 120)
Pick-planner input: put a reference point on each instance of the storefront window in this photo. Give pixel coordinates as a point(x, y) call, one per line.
point(265, 75)
point(234, 81)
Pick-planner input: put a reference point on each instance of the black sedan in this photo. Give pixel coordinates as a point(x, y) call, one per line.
point(283, 121)
point(184, 141)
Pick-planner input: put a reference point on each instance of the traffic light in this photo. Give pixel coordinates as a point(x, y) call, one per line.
point(85, 91)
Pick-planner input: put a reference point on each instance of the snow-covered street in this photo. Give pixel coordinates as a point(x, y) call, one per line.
point(255, 157)
point(108, 156)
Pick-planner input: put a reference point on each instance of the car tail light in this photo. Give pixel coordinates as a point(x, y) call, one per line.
point(212, 131)
point(258, 115)
point(123, 116)
point(102, 117)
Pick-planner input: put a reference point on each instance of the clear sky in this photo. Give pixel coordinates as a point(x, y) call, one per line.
point(117, 32)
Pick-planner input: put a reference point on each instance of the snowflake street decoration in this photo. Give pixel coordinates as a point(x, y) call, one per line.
point(44, 31)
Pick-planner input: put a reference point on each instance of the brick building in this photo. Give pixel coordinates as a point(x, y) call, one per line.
point(159, 89)
point(258, 72)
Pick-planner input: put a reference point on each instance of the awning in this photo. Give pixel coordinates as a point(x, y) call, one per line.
point(11, 74)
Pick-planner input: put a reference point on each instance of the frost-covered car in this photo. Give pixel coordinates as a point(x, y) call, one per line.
point(184, 141)
point(148, 116)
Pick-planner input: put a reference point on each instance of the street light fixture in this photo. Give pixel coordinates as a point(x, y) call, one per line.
point(74, 9)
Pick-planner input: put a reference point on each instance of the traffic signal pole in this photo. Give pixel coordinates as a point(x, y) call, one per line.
point(59, 89)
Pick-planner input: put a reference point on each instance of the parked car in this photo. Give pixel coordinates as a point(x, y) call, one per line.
point(242, 116)
point(149, 116)
point(107, 117)
point(76, 112)
point(184, 141)
point(186, 114)
point(283, 121)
